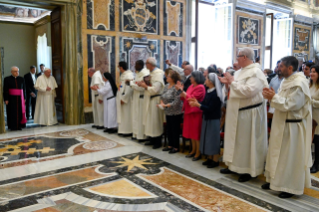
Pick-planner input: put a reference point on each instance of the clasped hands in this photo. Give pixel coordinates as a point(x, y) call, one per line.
point(48, 88)
point(142, 84)
point(94, 87)
point(193, 102)
point(269, 93)
point(227, 79)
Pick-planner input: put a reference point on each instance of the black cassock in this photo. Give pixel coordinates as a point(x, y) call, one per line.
point(14, 108)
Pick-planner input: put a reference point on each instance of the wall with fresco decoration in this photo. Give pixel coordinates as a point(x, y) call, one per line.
point(248, 32)
point(130, 30)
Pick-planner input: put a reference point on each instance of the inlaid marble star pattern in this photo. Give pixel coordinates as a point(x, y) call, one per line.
point(152, 185)
point(133, 163)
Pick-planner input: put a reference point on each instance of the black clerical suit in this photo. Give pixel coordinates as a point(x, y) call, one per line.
point(15, 117)
point(30, 89)
point(187, 83)
point(39, 74)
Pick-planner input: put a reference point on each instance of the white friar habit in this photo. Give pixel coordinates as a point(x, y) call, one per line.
point(137, 105)
point(45, 111)
point(154, 117)
point(98, 113)
point(124, 111)
point(109, 102)
point(289, 155)
point(245, 146)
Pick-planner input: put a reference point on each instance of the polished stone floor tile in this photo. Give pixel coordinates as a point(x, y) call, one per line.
point(99, 172)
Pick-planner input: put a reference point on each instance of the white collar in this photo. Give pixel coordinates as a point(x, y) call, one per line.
point(210, 90)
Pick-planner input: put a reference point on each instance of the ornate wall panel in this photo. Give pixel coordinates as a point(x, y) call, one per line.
point(101, 54)
point(173, 51)
point(130, 30)
point(101, 14)
point(139, 16)
point(173, 18)
point(301, 42)
point(249, 32)
point(133, 49)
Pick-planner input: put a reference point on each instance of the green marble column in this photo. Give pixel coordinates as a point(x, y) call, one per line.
point(72, 54)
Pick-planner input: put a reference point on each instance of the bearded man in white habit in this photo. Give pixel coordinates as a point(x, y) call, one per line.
point(153, 117)
point(138, 101)
point(245, 146)
point(45, 111)
point(124, 101)
point(97, 99)
point(289, 156)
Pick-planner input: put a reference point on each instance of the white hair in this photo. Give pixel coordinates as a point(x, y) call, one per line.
point(152, 61)
point(46, 69)
point(249, 53)
point(14, 67)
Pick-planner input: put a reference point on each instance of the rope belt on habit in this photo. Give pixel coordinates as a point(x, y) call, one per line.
point(293, 120)
point(250, 107)
point(155, 96)
point(110, 98)
point(141, 96)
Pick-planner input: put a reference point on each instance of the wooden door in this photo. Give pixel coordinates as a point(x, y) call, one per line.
point(57, 68)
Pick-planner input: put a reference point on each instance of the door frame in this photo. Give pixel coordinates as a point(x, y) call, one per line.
point(71, 15)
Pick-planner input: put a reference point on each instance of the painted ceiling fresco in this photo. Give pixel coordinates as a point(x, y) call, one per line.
point(21, 14)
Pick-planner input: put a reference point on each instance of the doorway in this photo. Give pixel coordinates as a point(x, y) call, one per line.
point(25, 39)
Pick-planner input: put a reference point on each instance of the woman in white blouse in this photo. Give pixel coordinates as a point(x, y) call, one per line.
point(314, 91)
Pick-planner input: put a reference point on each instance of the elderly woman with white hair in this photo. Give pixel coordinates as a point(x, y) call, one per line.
point(211, 107)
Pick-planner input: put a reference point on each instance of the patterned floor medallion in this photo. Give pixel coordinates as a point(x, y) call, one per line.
point(134, 182)
point(49, 146)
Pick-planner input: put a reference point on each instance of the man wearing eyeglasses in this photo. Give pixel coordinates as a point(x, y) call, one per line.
point(245, 145)
point(14, 96)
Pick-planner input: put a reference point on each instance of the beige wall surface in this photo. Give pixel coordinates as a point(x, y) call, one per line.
point(19, 47)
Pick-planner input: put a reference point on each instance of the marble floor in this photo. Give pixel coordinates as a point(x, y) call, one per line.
point(81, 169)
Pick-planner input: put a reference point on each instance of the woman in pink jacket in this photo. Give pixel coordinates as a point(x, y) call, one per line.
point(193, 115)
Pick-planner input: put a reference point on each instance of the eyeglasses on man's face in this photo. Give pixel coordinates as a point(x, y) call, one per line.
point(238, 56)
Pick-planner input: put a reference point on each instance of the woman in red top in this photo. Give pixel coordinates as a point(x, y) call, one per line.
point(193, 115)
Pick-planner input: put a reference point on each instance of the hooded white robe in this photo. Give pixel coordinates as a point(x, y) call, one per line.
point(289, 155)
point(124, 111)
point(45, 111)
point(137, 105)
point(109, 102)
point(245, 146)
point(98, 109)
point(154, 117)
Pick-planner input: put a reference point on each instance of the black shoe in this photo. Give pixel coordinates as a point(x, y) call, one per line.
point(167, 149)
point(226, 171)
point(244, 178)
point(197, 158)
point(213, 164)
point(133, 138)
point(157, 146)
point(190, 155)
point(173, 151)
point(314, 168)
point(100, 128)
point(111, 131)
point(266, 186)
point(148, 143)
point(208, 161)
point(106, 130)
point(94, 126)
point(127, 135)
point(285, 195)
